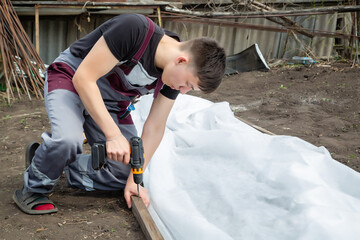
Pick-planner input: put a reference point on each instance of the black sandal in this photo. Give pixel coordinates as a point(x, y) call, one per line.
point(28, 201)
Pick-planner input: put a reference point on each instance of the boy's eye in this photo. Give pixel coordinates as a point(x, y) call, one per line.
point(189, 85)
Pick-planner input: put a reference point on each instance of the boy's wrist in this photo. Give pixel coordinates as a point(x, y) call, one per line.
point(114, 138)
point(112, 133)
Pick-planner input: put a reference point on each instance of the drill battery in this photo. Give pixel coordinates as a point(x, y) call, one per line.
point(98, 155)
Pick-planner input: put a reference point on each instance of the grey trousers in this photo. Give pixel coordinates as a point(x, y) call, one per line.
point(61, 150)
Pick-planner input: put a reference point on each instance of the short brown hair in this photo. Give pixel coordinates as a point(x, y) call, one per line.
point(209, 62)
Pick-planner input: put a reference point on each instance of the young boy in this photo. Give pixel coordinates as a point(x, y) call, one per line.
point(88, 89)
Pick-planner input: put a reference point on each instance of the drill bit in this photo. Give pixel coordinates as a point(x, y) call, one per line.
point(138, 189)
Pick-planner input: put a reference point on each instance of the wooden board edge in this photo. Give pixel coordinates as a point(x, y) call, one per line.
point(263, 130)
point(145, 220)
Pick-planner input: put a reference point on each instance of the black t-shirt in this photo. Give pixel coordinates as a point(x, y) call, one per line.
point(124, 35)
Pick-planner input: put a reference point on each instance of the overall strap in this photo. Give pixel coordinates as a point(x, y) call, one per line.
point(129, 65)
point(146, 41)
point(158, 87)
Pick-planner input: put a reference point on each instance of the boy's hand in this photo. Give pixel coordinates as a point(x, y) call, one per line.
point(118, 149)
point(131, 189)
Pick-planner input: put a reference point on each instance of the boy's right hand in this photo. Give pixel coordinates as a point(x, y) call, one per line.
point(131, 190)
point(118, 149)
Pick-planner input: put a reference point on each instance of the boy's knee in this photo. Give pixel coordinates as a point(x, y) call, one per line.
point(69, 143)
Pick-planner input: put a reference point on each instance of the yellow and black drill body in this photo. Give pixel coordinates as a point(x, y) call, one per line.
point(137, 158)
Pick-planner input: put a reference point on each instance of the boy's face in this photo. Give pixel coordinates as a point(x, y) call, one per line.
point(180, 76)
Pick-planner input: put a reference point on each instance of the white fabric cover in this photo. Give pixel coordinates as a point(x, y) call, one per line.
point(214, 177)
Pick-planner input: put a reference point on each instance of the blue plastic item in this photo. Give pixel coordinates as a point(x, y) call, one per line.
point(303, 60)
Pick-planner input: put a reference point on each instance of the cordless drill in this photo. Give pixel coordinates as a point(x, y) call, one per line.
point(137, 157)
point(98, 158)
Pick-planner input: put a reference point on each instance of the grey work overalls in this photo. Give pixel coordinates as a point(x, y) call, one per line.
point(61, 150)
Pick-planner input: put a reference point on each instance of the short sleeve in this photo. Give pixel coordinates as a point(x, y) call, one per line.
point(169, 93)
point(125, 35)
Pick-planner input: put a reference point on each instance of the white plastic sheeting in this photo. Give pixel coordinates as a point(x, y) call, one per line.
point(214, 177)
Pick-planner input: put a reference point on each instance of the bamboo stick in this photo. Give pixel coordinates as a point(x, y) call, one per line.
point(21, 61)
point(5, 63)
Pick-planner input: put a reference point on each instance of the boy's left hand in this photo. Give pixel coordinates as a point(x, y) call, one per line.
point(131, 189)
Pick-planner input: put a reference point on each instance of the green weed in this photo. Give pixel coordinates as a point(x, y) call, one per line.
point(5, 102)
point(23, 121)
point(282, 86)
point(342, 85)
point(269, 94)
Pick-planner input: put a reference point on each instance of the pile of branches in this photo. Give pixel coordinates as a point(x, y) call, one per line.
point(21, 64)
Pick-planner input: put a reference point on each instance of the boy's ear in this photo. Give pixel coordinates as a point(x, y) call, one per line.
point(182, 59)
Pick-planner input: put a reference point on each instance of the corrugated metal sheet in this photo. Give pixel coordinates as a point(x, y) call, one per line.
point(272, 44)
point(323, 47)
point(53, 36)
point(269, 42)
point(57, 33)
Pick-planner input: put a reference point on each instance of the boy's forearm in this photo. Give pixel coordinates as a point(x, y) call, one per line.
point(96, 64)
point(151, 140)
point(92, 100)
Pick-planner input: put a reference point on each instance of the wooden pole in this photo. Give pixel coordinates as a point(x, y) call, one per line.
point(256, 26)
point(357, 33)
point(309, 11)
point(37, 41)
point(285, 45)
point(284, 21)
point(159, 16)
point(143, 216)
point(356, 40)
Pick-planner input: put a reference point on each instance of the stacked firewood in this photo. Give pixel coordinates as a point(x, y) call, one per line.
point(22, 67)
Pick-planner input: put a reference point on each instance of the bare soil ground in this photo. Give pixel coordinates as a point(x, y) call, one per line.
point(320, 104)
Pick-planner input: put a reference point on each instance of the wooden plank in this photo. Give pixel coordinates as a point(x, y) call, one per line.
point(263, 130)
point(143, 216)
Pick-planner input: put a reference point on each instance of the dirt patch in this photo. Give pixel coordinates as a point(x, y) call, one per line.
point(320, 104)
point(82, 215)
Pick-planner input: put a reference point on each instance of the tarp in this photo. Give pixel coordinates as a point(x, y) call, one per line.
point(214, 177)
point(247, 60)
